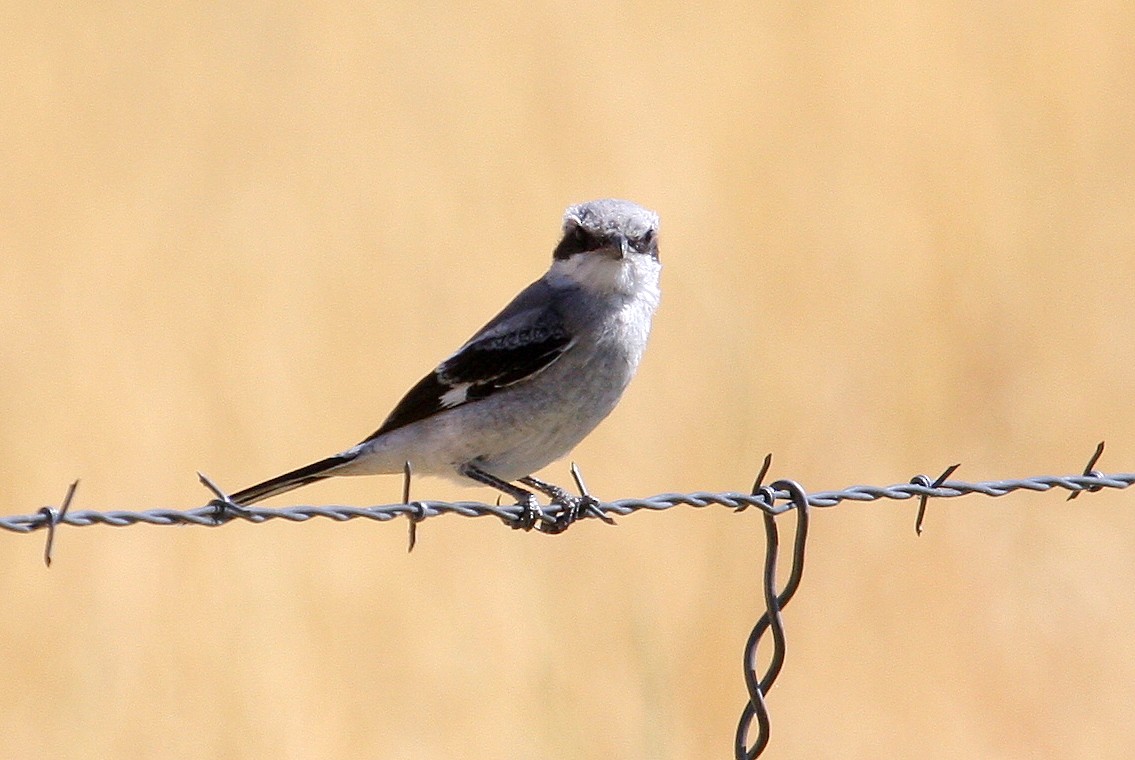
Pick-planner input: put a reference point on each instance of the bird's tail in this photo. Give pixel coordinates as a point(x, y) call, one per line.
point(289, 480)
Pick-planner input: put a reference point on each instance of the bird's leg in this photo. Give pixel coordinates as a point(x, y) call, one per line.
point(551, 490)
point(530, 512)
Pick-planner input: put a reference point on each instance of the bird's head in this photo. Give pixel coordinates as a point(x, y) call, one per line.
point(609, 245)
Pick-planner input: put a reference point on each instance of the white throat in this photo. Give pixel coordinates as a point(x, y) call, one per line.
point(635, 276)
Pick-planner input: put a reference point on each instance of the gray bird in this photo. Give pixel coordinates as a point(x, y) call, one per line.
point(534, 381)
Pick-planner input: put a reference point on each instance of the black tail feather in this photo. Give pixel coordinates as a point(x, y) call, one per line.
point(289, 480)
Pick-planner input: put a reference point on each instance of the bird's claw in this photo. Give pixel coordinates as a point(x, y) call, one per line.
point(573, 508)
point(530, 513)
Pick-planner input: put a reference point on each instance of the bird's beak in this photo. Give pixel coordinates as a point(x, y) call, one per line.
point(624, 247)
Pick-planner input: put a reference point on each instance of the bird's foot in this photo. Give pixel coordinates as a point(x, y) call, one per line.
point(530, 513)
point(572, 508)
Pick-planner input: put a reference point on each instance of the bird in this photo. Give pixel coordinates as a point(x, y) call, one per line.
point(534, 381)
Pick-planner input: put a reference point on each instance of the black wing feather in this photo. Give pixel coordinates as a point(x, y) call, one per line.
point(483, 366)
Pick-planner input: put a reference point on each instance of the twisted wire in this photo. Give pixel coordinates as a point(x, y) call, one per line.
point(213, 514)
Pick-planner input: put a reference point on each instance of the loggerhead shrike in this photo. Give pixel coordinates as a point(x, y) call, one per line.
point(535, 380)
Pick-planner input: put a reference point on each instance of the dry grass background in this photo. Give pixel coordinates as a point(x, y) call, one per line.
point(894, 237)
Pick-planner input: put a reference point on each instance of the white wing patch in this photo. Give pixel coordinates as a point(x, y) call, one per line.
point(455, 396)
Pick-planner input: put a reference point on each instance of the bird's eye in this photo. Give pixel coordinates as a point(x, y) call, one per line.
point(648, 238)
point(576, 240)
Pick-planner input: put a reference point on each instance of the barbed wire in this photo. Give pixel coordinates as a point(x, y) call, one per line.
point(216, 514)
point(781, 496)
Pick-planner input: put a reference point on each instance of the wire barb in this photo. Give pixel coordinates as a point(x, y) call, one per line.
point(589, 504)
point(53, 518)
point(415, 517)
point(1089, 471)
point(225, 509)
point(922, 480)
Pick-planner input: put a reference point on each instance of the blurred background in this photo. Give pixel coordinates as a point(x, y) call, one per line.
point(895, 237)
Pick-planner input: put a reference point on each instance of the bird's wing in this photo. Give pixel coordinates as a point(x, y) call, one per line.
point(516, 346)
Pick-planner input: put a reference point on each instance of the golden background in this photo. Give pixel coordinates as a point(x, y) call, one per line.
point(894, 237)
